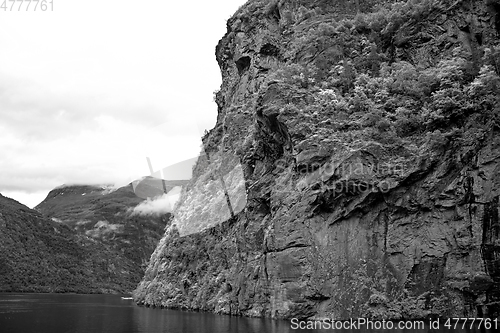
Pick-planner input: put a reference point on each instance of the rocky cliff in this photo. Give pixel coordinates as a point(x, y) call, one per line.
point(368, 136)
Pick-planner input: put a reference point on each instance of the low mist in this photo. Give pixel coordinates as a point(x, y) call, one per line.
point(159, 205)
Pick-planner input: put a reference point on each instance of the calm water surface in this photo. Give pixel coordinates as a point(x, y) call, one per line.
point(69, 313)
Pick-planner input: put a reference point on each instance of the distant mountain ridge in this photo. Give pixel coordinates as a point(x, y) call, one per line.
point(81, 238)
point(40, 255)
point(105, 215)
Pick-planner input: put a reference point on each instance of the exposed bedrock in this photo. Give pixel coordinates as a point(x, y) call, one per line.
point(356, 205)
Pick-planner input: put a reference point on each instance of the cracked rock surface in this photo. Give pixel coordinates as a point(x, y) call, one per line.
point(365, 196)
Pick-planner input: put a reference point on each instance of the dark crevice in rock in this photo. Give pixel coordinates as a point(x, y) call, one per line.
point(425, 168)
point(274, 12)
point(263, 70)
point(496, 10)
point(291, 246)
point(469, 199)
point(490, 248)
point(275, 137)
point(318, 297)
point(386, 229)
point(324, 202)
point(262, 205)
point(342, 193)
point(269, 49)
point(185, 285)
point(490, 252)
point(274, 125)
point(243, 64)
point(266, 274)
point(479, 38)
point(465, 29)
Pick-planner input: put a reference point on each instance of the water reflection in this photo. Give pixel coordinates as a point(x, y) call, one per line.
point(172, 321)
point(54, 313)
point(64, 313)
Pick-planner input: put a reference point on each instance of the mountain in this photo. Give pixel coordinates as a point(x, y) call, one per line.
point(81, 238)
point(40, 255)
point(106, 216)
point(367, 133)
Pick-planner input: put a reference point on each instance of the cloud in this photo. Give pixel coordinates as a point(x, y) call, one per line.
point(159, 205)
point(111, 151)
point(100, 95)
point(37, 112)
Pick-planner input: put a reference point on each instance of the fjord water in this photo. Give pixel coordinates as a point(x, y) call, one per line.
point(71, 313)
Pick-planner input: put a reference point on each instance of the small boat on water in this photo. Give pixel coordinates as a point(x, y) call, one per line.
point(127, 298)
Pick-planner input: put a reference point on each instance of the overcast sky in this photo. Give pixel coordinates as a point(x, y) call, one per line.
point(90, 90)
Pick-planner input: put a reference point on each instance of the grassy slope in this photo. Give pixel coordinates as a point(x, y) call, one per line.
point(39, 255)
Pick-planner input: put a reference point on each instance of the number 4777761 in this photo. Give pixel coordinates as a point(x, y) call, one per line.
point(27, 5)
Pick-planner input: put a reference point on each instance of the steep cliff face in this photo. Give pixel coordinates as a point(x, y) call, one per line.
point(368, 133)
